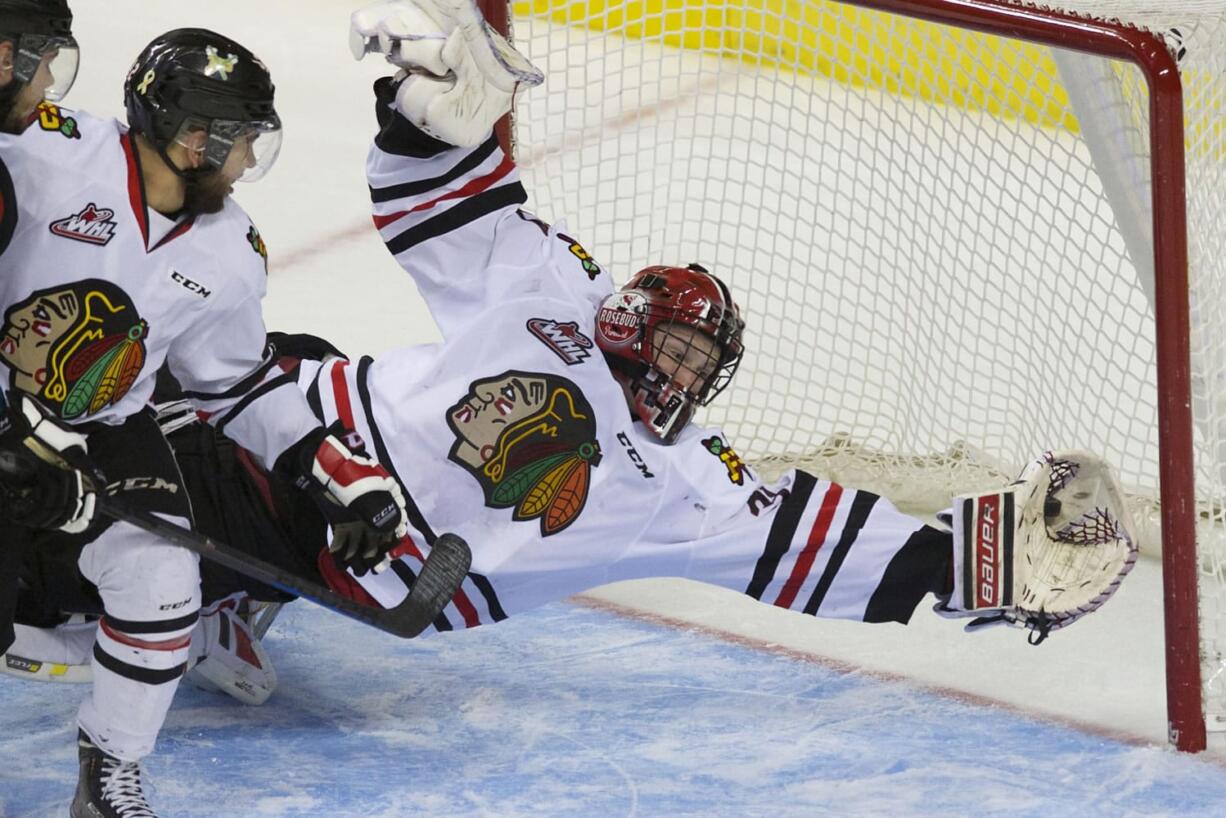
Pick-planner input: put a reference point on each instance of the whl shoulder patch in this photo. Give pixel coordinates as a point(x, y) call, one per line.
point(563, 338)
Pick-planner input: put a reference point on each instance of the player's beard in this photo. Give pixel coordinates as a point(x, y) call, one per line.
point(206, 193)
point(11, 120)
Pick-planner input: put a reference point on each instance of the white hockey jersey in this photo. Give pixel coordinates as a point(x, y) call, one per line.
point(514, 434)
point(97, 290)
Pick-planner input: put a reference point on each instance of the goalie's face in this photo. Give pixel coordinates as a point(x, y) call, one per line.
point(687, 357)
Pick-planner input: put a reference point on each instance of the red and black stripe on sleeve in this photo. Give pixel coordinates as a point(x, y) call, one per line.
point(817, 528)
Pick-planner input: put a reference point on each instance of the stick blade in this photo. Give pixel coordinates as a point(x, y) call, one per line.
point(438, 581)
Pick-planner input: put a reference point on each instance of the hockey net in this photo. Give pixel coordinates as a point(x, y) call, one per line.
point(942, 237)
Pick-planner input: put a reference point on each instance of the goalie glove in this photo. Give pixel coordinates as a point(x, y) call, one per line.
point(46, 479)
point(459, 76)
point(352, 490)
point(1044, 551)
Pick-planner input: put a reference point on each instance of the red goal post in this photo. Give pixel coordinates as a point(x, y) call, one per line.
point(1108, 39)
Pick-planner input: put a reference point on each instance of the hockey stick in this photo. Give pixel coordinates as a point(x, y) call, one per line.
point(263, 617)
point(437, 582)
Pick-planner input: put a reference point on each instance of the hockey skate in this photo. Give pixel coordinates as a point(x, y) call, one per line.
point(107, 787)
point(231, 658)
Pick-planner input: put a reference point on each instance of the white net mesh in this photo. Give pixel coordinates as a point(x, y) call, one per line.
point(940, 239)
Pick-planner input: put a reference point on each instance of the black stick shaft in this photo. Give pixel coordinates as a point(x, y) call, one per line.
point(437, 582)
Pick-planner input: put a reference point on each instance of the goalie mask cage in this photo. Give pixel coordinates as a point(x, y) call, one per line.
point(962, 232)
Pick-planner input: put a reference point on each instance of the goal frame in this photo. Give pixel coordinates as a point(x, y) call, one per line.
point(1149, 53)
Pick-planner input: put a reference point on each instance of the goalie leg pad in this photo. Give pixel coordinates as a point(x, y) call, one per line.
point(229, 656)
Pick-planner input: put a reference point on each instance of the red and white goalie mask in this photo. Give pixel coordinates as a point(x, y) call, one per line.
point(673, 336)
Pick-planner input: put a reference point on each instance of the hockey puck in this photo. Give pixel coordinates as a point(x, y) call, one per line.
point(1051, 508)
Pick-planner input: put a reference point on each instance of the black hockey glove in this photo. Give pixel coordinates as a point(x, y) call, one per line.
point(361, 500)
point(355, 543)
point(46, 479)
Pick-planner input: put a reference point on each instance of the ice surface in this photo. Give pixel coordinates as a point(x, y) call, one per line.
point(572, 711)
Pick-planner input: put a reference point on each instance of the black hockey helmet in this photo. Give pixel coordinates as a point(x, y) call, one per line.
point(192, 79)
point(37, 28)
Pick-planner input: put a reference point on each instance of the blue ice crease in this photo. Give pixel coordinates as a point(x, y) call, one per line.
point(576, 712)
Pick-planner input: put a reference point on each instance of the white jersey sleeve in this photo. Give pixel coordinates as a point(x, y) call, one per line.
point(223, 362)
point(451, 217)
point(802, 543)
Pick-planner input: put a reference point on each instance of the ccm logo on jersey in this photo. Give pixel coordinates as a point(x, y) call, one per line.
point(189, 285)
point(635, 457)
point(93, 225)
point(563, 338)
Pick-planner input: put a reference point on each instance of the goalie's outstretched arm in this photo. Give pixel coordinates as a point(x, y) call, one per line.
point(445, 197)
point(1037, 554)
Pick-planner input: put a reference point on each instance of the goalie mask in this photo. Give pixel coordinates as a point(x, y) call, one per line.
point(672, 335)
point(38, 31)
point(195, 80)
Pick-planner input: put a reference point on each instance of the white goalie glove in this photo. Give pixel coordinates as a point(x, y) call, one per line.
point(460, 75)
point(1043, 552)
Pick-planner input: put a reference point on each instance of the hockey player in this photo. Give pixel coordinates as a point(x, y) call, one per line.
point(120, 251)
point(38, 58)
point(33, 34)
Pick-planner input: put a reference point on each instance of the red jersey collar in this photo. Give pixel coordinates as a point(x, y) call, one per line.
point(136, 197)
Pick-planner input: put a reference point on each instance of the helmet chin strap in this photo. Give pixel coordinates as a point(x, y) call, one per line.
point(186, 174)
point(627, 374)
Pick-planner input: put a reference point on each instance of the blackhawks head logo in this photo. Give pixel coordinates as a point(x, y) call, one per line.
point(530, 440)
point(78, 347)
